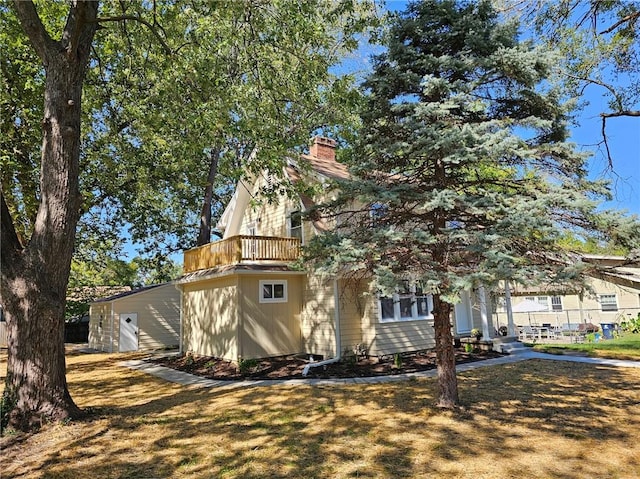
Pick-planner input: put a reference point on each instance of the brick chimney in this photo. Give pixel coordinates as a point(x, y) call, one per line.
point(323, 148)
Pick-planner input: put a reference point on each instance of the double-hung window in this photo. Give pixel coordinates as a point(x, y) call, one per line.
point(556, 303)
point(295, 225)
point(543, 301)
point(608, 302)
point(408, 303)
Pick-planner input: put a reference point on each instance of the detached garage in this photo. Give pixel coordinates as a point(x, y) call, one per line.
point(143, 319)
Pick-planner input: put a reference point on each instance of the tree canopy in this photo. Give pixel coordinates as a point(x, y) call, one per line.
point(161, 89)
point(598, 42)
point(461, 174)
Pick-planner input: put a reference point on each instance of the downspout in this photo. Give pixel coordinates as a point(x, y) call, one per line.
point(338, 356)
point(111, 334)
point(180, 343)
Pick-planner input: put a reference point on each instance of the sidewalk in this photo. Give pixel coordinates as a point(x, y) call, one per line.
point(187, 379)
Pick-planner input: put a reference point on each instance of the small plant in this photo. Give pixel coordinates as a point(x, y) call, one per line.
point(245, 366)
point(632, 325)
point(476, 333)
point(189, 360)
point(468, 347)
point(210, 364)
point(7, 403)
point(397, 360)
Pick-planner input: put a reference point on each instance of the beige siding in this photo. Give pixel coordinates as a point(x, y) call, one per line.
point(158, 316)
point(352, 309)
point(100, 329)
point(271, 219)
point(158, 311)
point(579, 310)
point(318, 317)
point(392, 337)
point(210, 315)
point(269, 329)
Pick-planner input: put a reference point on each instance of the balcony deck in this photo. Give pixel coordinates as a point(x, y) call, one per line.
point(238, 249)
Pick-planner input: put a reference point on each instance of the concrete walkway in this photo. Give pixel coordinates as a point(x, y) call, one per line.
point(187, 379)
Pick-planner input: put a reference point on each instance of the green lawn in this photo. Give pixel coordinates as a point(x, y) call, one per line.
point(625, 347)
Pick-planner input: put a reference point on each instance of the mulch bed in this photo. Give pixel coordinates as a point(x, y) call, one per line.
point(290, 367)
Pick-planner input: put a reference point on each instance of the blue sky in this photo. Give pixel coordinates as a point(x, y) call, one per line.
point(624, 142)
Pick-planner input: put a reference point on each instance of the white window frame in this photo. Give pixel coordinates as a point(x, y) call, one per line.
point(543, 300)
point(289, 227)
point(554, 307)
point(614, 303)
point(272, 282)
point(397, 313)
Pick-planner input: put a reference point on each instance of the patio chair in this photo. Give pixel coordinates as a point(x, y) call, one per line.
point(527, 332)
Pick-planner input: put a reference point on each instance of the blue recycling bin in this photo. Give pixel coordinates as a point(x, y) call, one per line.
point(607, 330)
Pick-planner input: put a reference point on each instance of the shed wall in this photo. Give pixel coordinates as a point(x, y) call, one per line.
point(100, 327)
point(158, 316)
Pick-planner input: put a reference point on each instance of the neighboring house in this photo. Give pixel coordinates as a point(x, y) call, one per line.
point(142, 319)
point(612, 296)
point(245, 297)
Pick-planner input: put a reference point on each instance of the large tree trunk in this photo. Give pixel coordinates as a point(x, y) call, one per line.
point(35, 275)
point(445, 355)
point(204, 234)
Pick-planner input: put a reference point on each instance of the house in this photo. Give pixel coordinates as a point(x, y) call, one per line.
point(143, 319)
point(246, 296)
point(612, 296)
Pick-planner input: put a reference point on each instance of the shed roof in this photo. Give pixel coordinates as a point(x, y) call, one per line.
point(126, 294)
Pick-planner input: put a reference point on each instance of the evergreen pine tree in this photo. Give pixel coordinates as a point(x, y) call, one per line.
point(462, 176)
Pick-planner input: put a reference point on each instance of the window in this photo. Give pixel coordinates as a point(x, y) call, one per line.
point(543, 301)
point(608, 302)
point(295, 225)
point(409, 303)
point(273, 291)
point(556, 303)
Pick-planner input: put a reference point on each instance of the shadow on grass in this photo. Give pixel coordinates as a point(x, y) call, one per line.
point(144, 427)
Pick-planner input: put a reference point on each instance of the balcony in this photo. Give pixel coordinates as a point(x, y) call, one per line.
point(241, 248)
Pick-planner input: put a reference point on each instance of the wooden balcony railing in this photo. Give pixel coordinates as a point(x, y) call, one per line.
point(241, 248)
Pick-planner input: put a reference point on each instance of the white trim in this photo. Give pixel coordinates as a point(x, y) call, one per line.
point(397, 313)
point(289, 214)
point(615, 301)
point(272, 282)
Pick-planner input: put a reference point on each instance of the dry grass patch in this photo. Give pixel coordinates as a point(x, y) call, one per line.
point(531, 419)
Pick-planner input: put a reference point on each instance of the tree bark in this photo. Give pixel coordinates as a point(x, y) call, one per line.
point(34, 276)
point(204, 234)
point(445, 356)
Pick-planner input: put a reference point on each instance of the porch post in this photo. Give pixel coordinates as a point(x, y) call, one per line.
point(511, 328)
point(482, 298)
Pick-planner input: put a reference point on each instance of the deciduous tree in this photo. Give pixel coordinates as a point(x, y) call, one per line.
point(166, 86)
